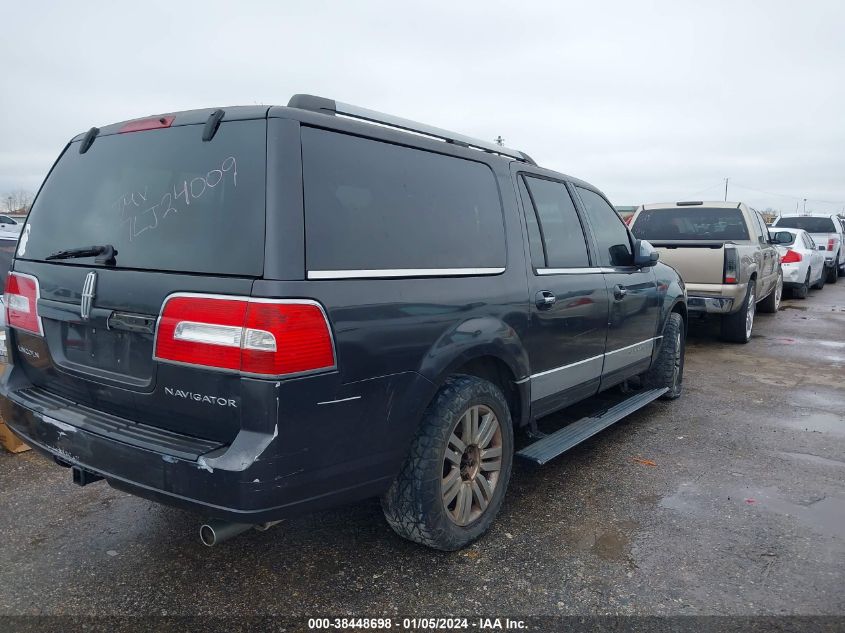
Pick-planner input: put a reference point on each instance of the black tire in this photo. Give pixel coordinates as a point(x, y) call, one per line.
point(734, 327)
point(801, 292)
point(832, 274)
point(771, 303)
point(414, 506)
point(820, 283)
point(668, 368)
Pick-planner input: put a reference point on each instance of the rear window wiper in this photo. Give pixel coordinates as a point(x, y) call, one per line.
point(105, 254)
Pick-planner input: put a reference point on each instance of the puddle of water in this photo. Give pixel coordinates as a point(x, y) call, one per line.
point(825, 514)
point(817, 422)
point(794, 307)
point(833, 344)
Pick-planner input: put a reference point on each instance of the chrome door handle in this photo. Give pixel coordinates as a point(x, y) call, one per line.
point(545, 299)
point(619, 292)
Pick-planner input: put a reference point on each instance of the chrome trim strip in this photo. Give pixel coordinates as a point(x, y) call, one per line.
point(551, 371)
point(341, 400)
point(402, 272)
point(622, 349)
point(549, 387)
point(572, 271)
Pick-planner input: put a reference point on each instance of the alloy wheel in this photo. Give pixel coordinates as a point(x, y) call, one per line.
point(749, 315)
point(472, 463)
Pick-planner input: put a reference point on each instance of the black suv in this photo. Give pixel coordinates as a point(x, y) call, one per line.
point(260, 312)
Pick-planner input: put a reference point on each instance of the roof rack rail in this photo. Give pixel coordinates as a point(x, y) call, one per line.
point(329, 106)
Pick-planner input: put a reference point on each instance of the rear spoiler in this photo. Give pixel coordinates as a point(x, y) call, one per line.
point(689, 243)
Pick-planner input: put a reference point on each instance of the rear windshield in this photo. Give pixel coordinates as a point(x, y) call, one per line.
point(164, 199)
point(694, 223)
point(809, 224)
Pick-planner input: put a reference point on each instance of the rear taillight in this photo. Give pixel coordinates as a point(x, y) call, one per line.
point(731, 265)
point(791, 257)
point(831, 244)
point(21, 299)
point(259, 337)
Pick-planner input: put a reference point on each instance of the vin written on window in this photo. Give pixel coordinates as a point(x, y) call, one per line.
point(131, 207)
point(164, 199)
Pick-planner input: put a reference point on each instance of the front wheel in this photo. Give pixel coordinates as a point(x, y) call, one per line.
point(820, 283)
point(668, 368)
point(453, 481)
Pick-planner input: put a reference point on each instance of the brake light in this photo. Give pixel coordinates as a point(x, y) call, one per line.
point(731, 265)
point(21, 299)
point(260, 337)
point(155, 123)
point(831, 244)
point(791, 257)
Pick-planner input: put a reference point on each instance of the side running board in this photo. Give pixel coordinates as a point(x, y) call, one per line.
point(559, 442)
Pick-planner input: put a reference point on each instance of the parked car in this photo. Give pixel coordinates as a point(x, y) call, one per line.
point(378, 325)
point(9, 226)
point(827, 231)
point(801, 261)
point(725, 255)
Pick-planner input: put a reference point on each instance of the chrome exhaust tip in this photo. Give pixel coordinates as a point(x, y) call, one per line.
point(215, 532)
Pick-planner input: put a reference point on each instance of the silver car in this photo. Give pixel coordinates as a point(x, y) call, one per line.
point(802, 262)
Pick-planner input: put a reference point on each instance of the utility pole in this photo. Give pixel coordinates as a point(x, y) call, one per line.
point(805, 206)
point(499, 141)
point(726, 189)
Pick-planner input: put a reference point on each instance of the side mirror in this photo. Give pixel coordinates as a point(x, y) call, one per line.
point(782, 237)
point(644, 254)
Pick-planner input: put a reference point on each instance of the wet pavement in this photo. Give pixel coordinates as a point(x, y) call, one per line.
point(743, 512)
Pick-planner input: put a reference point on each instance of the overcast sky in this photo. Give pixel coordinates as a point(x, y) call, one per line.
point(649, 101)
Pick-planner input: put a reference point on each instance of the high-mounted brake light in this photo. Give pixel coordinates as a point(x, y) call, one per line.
point(21, 299)
point(252, 336)
point(791, 257)
point(154, 123)
point(731, 264)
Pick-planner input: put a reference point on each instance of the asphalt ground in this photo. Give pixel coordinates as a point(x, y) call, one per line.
point(729, 501)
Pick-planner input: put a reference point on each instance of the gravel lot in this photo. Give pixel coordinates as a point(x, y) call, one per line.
point(743, 513)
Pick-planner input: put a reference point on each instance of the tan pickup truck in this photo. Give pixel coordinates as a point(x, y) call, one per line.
point(724, 254)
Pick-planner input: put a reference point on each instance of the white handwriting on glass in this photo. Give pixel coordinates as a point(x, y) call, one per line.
point(181, 196)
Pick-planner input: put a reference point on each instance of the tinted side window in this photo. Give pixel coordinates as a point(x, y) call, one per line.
point(374, 206)
point(563, 237)
point(535, 238)
point(609, 230)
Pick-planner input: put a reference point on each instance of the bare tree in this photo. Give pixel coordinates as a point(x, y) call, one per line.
point(17, 201)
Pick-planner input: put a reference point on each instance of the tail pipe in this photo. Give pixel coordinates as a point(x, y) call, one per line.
point(214, 531)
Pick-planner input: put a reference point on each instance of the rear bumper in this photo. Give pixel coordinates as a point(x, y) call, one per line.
point(710, 305)
point(252, 480)
point(793, 274)
point(715, 298)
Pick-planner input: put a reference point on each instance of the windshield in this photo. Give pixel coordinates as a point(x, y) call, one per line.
point(164, 199)
point(809, 224)
point(693, 223)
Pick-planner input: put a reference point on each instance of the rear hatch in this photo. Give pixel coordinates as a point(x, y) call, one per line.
point(183, 215)
point(692, 239)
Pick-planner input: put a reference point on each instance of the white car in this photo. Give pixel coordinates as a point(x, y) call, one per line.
point(827, 232)
point(801, 260)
